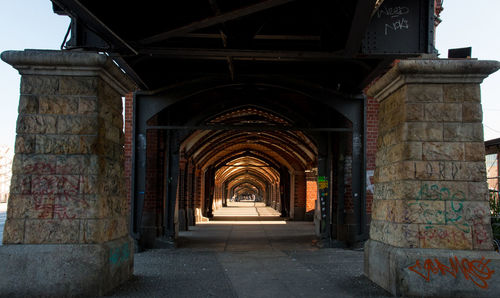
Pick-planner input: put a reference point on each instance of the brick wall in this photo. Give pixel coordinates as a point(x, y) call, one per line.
point(129, 104)
point(372, 106)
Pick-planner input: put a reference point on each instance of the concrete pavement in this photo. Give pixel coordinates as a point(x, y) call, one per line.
point(254, 258)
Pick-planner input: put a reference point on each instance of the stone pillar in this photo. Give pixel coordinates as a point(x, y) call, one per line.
point(67, 221)
point(430, 232)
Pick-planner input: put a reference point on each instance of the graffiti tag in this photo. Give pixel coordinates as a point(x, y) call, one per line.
point(476, 271)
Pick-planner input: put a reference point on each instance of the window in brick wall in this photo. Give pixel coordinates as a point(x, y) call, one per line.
point(492, 171)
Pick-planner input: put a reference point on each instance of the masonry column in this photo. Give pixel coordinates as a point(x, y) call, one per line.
point(430, 232)
point(67, 222)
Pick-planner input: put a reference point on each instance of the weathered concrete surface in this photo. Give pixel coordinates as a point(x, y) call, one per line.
point(249, 259)
point(412, 272)
point(66, 231)
point(72, 269)
point(430, 197)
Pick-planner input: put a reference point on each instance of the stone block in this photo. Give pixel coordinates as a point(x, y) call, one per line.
point(397, 190)
point(45, 184)
point(482, 237)
point(397, 234)
point(89, 145)
point(77, 164)
point(39, 164)
point(443, 191)
point(390, 138)
point(28, 104)
point(462, 93)
point(117, 120)
point(474, 151)
point(106, 112)
point(52, 231)
point(13, 232)
point(36, 124)
point(444, 236)
point(423, 131)
point(414, 112)
point(113, 134)
point(87, 105)
point(57, 104)
point(31, 206)
point(77, 207)
point(58, 144)
point(89, 184)
point(20, 184)
point(478, 191)
point(17, 164)
point(409, 211)
point(77, 125)
point(109, 95)
point(472, 112)
point(399, 152)
point(443, 151)
point(86, 86)
point(388, 173)
point(474, 171)
point(473, 212)
point(390, 113)
point(463, 132)
point(420, 212)
point(25, 143)
point(424, 93)
point(444, 170)
point(380, 209)
point(443, 112)
point(102, 230)
point(39, 85)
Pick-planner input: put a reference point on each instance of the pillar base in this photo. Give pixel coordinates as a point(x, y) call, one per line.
point(65, 269)
point(417, 272)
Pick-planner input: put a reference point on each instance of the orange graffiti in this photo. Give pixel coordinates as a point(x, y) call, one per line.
point(476, 270)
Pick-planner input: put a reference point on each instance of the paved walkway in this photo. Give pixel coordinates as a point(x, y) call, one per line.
point(253, 258)
point(241, 211)
point(3, 217)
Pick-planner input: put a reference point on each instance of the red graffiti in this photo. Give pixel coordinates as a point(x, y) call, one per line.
point(434, 233)
point(40, 167)
point(52, 193)
point(49, 210)
point(476, 270)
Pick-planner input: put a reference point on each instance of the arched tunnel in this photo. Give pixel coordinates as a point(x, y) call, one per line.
point(262, 142)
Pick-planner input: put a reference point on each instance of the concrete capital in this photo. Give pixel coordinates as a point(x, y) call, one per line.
point(69, 63)
point(432, 71)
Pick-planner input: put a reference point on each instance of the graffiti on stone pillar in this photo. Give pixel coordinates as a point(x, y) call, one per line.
point(52, 194)
point(119, 255)
point(453, 216)
point(477, 271)
point(438, 170)
point(463, 215)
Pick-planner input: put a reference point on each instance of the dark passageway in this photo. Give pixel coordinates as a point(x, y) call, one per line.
point(262, 143)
